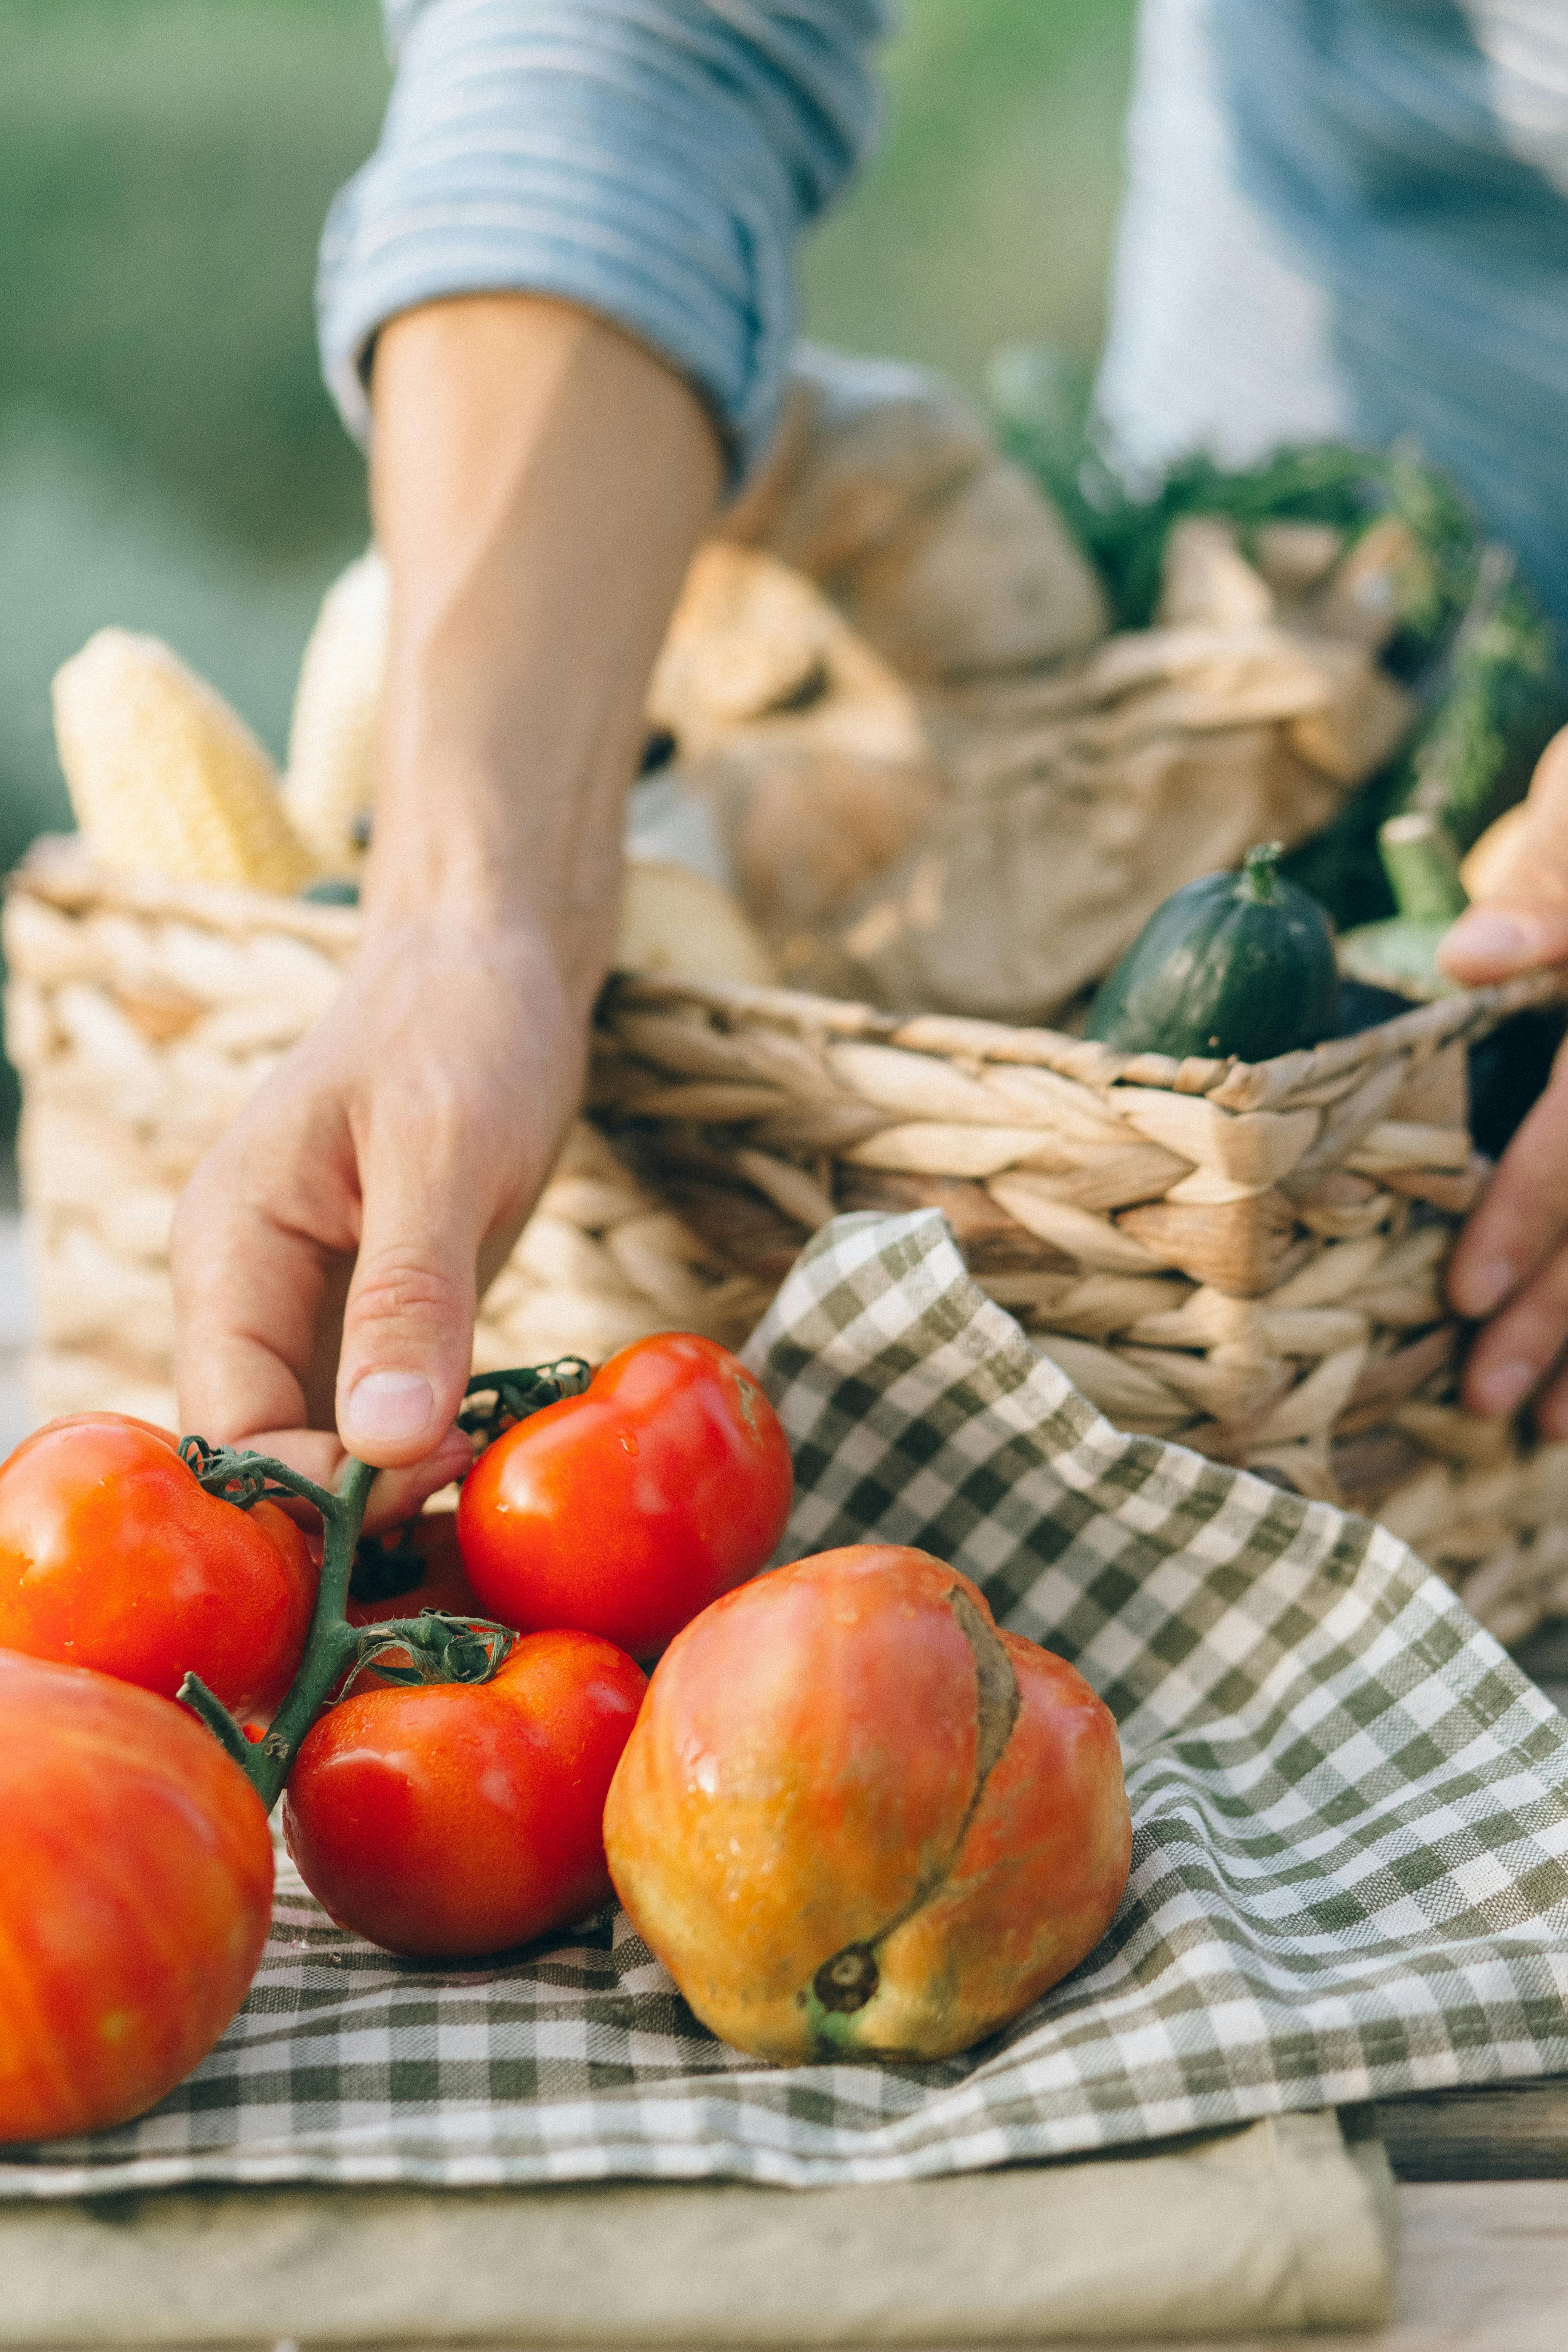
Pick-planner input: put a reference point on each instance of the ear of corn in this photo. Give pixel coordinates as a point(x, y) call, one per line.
point(164, 777)
point(331, 787)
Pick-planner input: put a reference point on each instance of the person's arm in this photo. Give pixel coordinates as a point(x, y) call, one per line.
point(540, 478)
point(539, 483)
point(1511, 1263)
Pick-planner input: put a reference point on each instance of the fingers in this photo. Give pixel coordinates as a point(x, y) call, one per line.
point(1520, 1348)
point(1511, 1263)
point(396, 1496)
point(251, 1296)
point(409, 1327)
point(1518, 875)
point(247, 1290)
point(1490, 942)
point(254, 1299)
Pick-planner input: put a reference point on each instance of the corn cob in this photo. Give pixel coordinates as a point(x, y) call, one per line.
point(330, 788)
point(164, 777)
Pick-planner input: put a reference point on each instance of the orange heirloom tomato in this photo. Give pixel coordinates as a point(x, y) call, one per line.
point(626, 1509)
point(462, 1818)
point(857, 1819)
point(135, 1892)
point(112, 1556)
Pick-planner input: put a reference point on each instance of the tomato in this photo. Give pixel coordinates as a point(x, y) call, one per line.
point(857, 1819)
point(438, 1582)
point(135, 1893)
point(112, 1556)
point(625, 1510)
point(462, 1818)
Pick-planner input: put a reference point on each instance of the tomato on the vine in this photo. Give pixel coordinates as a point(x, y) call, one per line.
point(135, 1894)
point(456, 1819)
point(112, 1556)
point(625, 1510)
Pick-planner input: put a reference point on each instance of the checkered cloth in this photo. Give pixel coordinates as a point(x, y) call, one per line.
point(1350, 1877)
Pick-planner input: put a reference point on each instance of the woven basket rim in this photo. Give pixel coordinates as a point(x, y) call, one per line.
point(60, 869)
point(1228, 1084)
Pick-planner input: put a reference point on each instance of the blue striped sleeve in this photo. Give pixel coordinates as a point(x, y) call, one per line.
point(654, 160)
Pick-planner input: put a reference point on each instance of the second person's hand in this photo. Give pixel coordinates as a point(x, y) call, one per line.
point(1510, 1269)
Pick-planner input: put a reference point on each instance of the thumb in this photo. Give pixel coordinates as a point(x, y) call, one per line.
point(1517, 873)
point(408, 1323)
point(1490, 942)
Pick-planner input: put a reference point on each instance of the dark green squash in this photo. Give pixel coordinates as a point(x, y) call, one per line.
point(1233, 963)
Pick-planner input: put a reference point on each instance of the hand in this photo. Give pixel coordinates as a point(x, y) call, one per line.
point(539, 483)
point(1511, 1263)
point(397, 1149)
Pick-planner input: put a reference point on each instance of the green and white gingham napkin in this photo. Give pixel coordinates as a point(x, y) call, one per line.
point(1350, 1877)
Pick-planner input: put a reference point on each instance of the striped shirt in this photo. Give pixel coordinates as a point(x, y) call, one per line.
point(1344, 216)
point(654, 160)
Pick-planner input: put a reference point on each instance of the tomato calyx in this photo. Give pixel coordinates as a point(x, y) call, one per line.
point(436, 1646)
point(246, 1479)
point(516, 1394)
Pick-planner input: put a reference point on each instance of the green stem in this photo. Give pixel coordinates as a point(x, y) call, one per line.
point(1259, 869)
point(333, 1641)
point(332, 1646)
point(1422, 867)
point(441, 1647)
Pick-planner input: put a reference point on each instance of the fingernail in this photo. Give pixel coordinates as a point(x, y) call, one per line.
point(387, 1409)
point(1477, 1289)
point(1502, 1386)
point(1488, 935)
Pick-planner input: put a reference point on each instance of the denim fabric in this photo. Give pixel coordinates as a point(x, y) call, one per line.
point(1351, 216)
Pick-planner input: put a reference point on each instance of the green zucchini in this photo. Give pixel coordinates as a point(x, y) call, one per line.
point(1237, 963)
point(1422, 870)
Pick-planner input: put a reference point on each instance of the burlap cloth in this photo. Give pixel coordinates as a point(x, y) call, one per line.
point(1283, 2225)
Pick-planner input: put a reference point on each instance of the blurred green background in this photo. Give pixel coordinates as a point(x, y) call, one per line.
point(168, 459)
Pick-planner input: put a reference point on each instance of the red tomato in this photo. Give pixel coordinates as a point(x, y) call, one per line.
point(135, 1891)
point(442, 1585)
point(112, 1556)
point(625, 1510)
point(462, 1818)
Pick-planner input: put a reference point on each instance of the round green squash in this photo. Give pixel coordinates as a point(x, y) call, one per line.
point(1235, 963)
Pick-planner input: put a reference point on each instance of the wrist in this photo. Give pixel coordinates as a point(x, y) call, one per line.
point(469, 926)
point(485, 822)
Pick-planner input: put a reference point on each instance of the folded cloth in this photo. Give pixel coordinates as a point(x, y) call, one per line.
point(1281, 2225)
point(1349, 1872)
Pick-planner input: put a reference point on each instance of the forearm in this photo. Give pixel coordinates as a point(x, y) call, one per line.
point(539, 481)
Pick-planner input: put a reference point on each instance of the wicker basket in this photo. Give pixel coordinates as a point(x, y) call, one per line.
point(1247, 1259)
